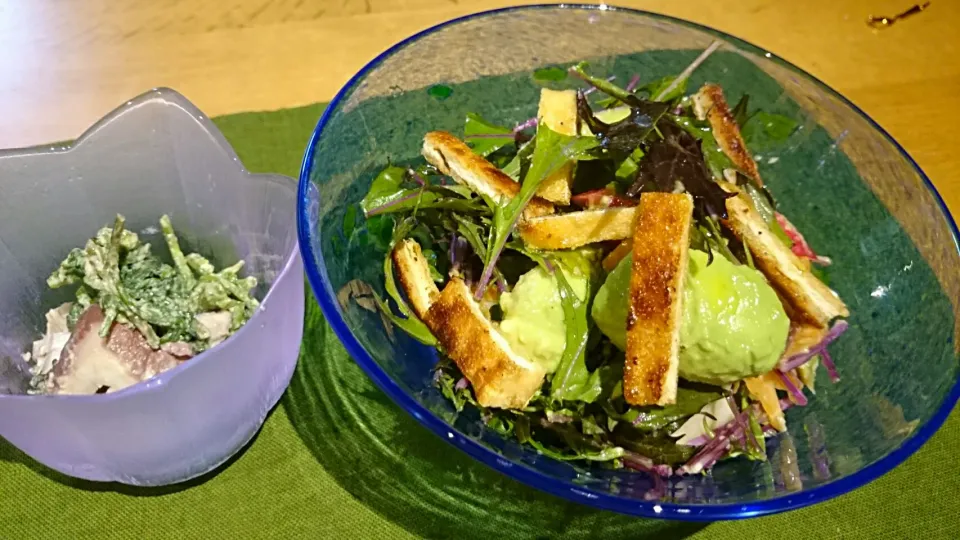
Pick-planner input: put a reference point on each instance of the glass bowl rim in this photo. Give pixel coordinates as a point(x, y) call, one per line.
point(326, 297)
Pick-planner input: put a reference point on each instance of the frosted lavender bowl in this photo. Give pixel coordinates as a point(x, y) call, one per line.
point(156, 154)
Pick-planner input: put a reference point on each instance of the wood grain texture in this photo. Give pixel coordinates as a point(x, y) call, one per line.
point(63, 64)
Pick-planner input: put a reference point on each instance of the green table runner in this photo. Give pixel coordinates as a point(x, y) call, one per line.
point(337, 459)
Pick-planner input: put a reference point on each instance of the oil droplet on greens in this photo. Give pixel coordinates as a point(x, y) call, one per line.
point(550, 74)
point(440, 92)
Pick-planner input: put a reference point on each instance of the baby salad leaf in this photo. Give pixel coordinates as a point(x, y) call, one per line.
point(602, 454)
point(763, 203)
point(623, 137)
point(521, 161)
point(678, 157)
point(546, 430)
point(763, 129)
point(549, 74)
point(690, 399)
point(654, 89)
point(572, 381)
point(481, 135)
point(760, 201)
point(446, 377)
point(402, 201)
point(715, 239)
point(473, 233)
point(410, 324)
point(390, 283)
point(760, 128)
point(658, 446)
point(629, 98)
point(400, 232)
point(385, 189)
point(553, 151)
point(380, 231)
point(386, 196)
point(627, 170)
point(604, 85)
point(717, 161)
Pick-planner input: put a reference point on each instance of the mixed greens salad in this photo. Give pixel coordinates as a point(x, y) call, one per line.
point(610, 281)
point(134, 316)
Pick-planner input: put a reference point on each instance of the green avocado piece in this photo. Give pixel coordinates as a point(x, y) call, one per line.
point(734, 325)
point(611, 302)
point(533, 318)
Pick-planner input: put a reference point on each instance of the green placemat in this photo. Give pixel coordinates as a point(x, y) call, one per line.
point(337, 459)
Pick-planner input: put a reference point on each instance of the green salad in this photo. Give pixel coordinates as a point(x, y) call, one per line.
point(134, 315)
point(610, 281)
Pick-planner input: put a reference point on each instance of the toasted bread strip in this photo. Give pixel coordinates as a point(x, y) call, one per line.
point(453, 157)
point(414, 275)
point(500, 378)
point(806, 298)
point(617, 254)
point(709, 104)
point(558, 111)
point(660, 244)
point(567, 231)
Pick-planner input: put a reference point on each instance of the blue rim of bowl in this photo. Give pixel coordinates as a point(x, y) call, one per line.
point(326, 296)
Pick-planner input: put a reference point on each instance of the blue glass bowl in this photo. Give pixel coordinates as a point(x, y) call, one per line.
point(842, 180)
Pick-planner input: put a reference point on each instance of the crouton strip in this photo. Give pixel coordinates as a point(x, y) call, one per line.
point(806, 298)
point(567, 231)
point(558, 111)
point(660, 244)
point(500, 378)
point(414, 275)
point(454, 158)
point(614, 257)
point(709, 104)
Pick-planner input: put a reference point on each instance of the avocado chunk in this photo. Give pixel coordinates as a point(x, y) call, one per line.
point(734, 325)
point(533, 319)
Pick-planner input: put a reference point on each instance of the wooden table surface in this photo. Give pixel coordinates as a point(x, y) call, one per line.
point(65, 63)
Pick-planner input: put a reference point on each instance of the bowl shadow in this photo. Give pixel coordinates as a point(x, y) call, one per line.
point(398, 468)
